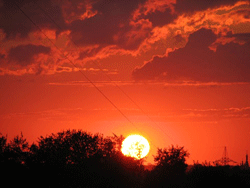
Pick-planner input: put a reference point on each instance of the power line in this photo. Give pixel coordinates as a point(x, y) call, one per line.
point(133, 101)
point(92, 83)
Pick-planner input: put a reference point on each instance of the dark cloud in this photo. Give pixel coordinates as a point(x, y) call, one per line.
point(98, 22)
point(158, 17)
point(197, 62)
point(75, 9)
point(15, 23)
point(95, 30)
point(245, 37)
point(244, 12)
point(102, 22)
point(24, 54)
point(118, 8)
point(111, 23)
point(2, 56)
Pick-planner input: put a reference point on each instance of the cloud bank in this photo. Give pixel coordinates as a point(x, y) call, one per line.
point(198, 62)
point(95, 30)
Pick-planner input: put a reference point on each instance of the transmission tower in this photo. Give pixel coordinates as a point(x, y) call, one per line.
point(225, 159)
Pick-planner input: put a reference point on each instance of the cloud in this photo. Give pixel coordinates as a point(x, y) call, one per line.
point(23, 55)
point(109, 25)
point(60, 114)
point(159, 13)
point(15, 24)
point(188, 6)
point(77, 10)
point(129, 24)
point(241, 37)
point(197, 62)
point(104, 29)
point(2, 56)
point(218, 113)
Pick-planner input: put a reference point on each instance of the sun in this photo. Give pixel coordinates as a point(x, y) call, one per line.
point(135, 146)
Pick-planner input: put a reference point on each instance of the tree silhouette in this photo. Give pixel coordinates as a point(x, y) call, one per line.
point(217, 176)
point(14, 155)
point(17, 150)
point(170, 167)
point(3, 145)
point(110, 146)
point(171, 158)
point(76, 158)
point(70, 157)
point(79, 159)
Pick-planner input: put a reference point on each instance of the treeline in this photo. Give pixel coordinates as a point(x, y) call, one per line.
point(79, 159)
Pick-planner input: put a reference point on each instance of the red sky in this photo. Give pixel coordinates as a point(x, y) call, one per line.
point(177, 70)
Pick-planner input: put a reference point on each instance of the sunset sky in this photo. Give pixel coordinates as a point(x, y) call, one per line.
point(175, 71)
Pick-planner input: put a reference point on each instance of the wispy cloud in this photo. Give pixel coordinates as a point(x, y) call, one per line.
point(159, 83)
point(232, 112)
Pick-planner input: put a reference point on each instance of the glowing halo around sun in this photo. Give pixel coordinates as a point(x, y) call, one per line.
point(135, 146)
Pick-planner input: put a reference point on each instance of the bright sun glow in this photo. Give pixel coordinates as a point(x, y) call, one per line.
point(135, 146)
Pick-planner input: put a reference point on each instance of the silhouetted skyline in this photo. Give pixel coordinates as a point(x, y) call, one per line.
point(79, 159)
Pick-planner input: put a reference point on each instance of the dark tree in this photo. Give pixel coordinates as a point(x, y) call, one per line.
point(217, 176)
point(110, 146)
point(13, 161)
point(3, 145)
point(118, 170)
point(79, 159)
point(171, 160)
point(170, 168)
point(67, 147)
point(68, 158)
point(17, 150)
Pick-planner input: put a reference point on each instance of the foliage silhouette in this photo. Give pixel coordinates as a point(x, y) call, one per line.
point(13, 160)
point(79, 159)
point(217, 176)
point(170, 167)
point(3, 145)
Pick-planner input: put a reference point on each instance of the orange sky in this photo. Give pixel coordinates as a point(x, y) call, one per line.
point(178, 71)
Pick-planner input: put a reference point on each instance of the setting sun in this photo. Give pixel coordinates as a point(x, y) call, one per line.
point(135, 146)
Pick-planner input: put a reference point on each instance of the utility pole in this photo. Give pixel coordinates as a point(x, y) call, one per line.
point(224, 161)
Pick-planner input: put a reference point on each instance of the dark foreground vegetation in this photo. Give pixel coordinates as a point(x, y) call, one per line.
point(79, 159)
